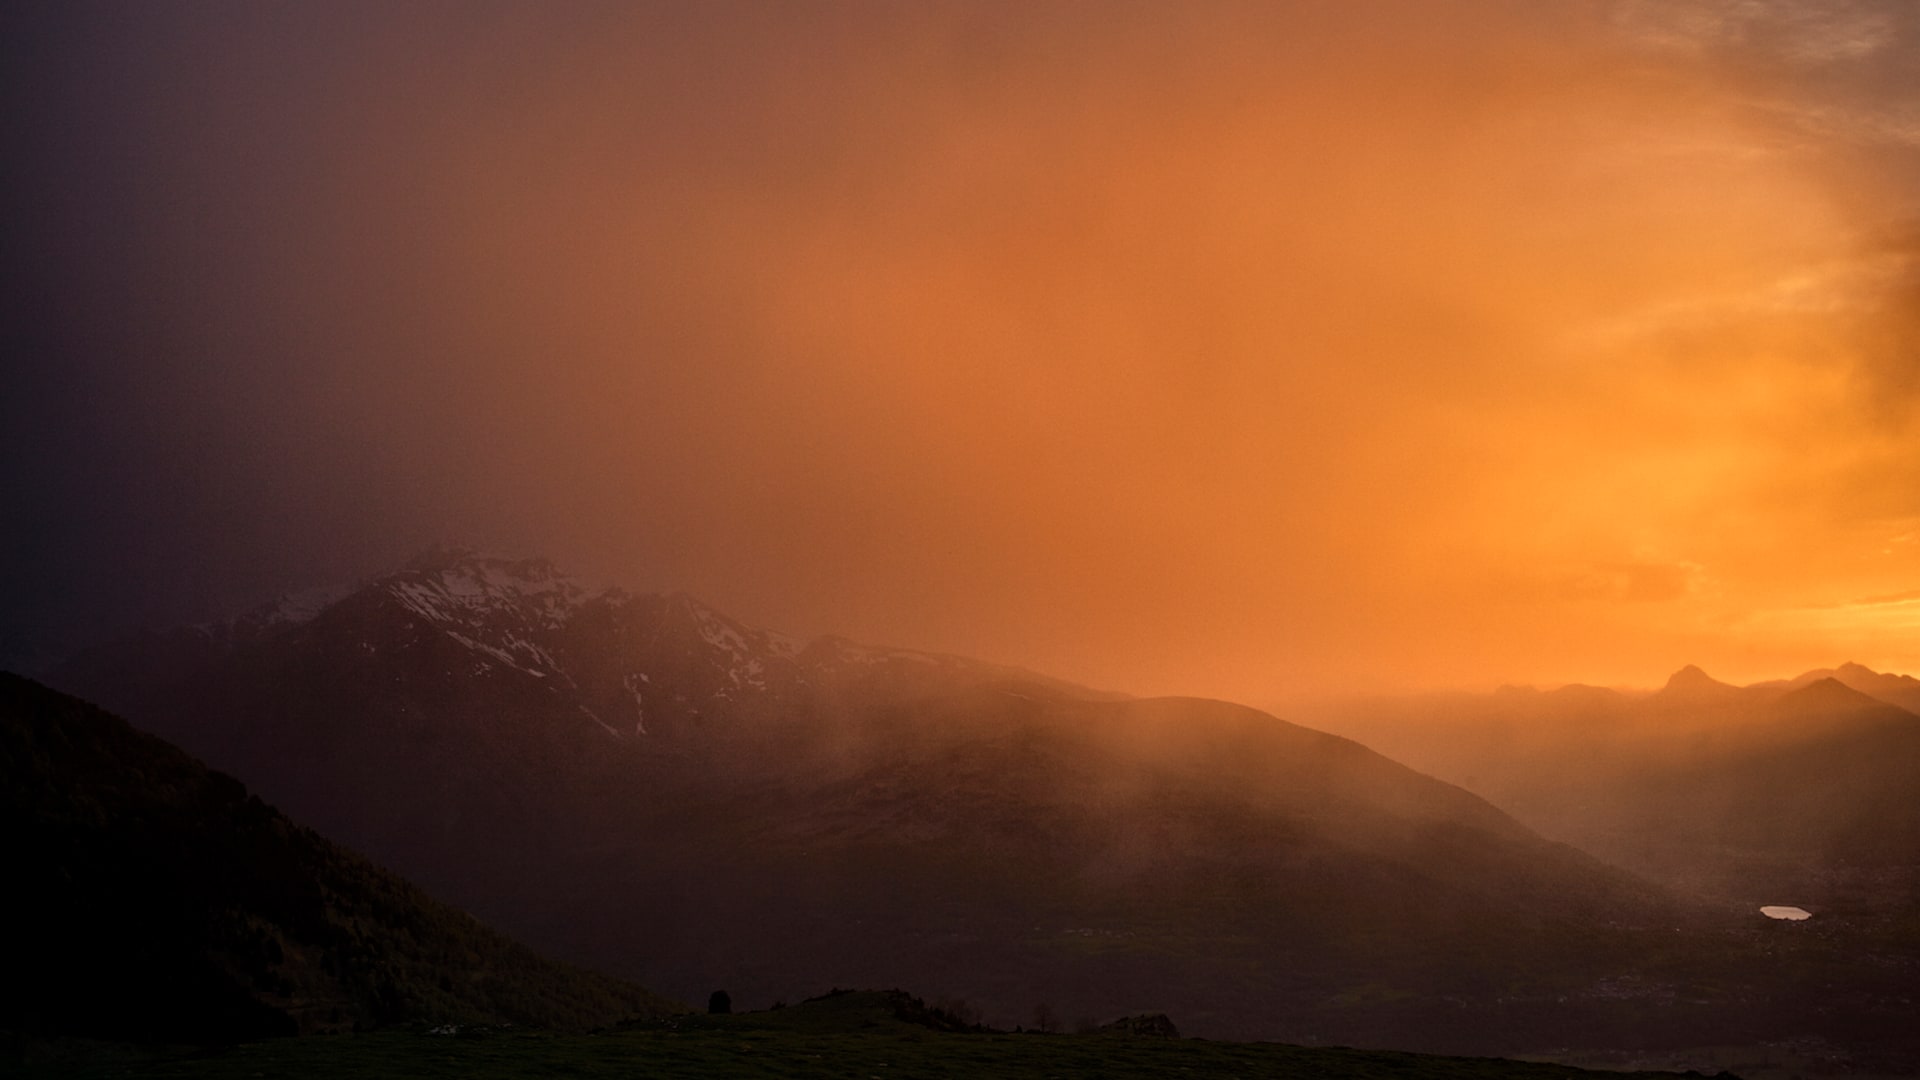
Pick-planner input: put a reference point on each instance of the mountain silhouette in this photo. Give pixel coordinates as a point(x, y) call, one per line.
point(1692, 682)
point(159, 901)
point(1827, 697)
point(646, 783)
point(1739, 791)
point(1900, 690)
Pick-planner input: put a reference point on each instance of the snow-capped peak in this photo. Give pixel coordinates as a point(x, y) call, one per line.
point(455, 584)
point(501, 608)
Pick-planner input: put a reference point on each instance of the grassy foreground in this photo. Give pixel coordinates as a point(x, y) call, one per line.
point(847, 1035)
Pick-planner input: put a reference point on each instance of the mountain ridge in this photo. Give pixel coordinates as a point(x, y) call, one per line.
point(1786, 784)
point(828, 810)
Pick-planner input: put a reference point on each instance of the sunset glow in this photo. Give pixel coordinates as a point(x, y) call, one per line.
point(1239, 350)
point(1006, 538)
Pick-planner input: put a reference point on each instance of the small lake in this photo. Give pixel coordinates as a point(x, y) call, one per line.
point(1782, 911)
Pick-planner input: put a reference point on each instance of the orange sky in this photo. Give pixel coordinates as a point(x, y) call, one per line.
point(1245, 350)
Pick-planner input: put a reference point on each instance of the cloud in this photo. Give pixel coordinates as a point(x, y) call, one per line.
point(1802, 32)
point(1631, 582)
point(1895, 598)
point(1208, 348)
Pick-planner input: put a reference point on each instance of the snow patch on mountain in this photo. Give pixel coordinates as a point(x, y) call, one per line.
point(632, 682)
point(669, 655)
point(512, 657)
point(480, 584)
point(610, 729)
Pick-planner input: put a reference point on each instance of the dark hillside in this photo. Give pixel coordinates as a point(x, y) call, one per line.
point(156, 899)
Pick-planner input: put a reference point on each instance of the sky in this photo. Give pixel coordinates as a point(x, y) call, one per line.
point(1246, 350)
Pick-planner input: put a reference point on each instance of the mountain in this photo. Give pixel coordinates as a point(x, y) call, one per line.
point(156, 900)
point(1798, 787)
point(1829, 700)
point(468, 704)
point(1899, 690)
point(646, 783)
point(1691, 682)
point(1110, 857)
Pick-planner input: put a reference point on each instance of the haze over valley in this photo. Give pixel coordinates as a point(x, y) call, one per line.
point(643, 784)
point(1039, 538)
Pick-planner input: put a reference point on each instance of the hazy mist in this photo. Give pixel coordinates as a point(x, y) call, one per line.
point(1210, 348)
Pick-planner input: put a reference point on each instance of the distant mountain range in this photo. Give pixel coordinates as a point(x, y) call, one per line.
point(156, 900)
point(1789, 787)
point(1900, 690)
point(643, 784)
